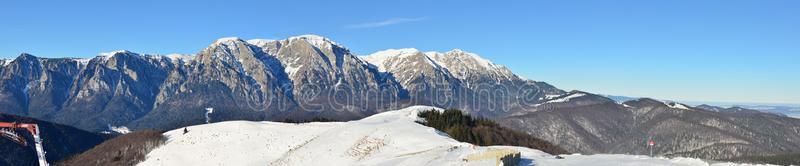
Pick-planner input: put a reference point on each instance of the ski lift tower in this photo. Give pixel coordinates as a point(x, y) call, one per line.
point(7, 131)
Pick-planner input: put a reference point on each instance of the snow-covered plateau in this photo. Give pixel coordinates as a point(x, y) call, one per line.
point(389, 138)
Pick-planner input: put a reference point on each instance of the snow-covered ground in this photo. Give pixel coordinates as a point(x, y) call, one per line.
point(389, 138)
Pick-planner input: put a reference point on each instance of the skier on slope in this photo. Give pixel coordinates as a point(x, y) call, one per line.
point(185, 130)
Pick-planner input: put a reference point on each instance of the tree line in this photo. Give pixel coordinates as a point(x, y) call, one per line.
point(481, 131)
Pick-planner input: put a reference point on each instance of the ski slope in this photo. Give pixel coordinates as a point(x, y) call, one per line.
point(389, 138)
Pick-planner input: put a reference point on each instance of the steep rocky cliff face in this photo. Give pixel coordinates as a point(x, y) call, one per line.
point(296, 78)
point(459, 79)
point(326, 76)
point(229, 75)
point(111, 89)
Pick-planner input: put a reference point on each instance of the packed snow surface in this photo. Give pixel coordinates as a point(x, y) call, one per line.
point(389, 138)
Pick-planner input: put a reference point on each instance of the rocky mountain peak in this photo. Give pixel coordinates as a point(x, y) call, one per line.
point(316, 41)
point(231, 50)
point(228, 44)
point(115, 53)
point(114, 58)
point(468, 58)
point(467, 65)
point(260, 42)
point(26, 57)
point(388, 59)
point(458, 61)
point(389, 53)
point(25, 61)
point(25, 65)
point(227, 40)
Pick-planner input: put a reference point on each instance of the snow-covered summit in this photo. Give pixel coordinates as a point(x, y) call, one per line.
point(227, 43)
point(113, 53)
point(260, 42)
point(465, 64)
point(380, 58)
point(389, 138)
point(315, 40)
point(441, 59)
point(226, 40)
point(458, 53)
point(459, 63)
point(385, 54)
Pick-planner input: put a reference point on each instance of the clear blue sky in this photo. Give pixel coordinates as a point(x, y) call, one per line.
point(715, 50)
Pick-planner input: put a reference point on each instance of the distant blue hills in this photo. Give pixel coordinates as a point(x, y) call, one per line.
point(792, 110)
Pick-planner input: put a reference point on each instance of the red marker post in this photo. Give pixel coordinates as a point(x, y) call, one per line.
point(651, 143)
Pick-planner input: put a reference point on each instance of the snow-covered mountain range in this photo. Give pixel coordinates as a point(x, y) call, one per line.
point(310, 76)
point(299, 77)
